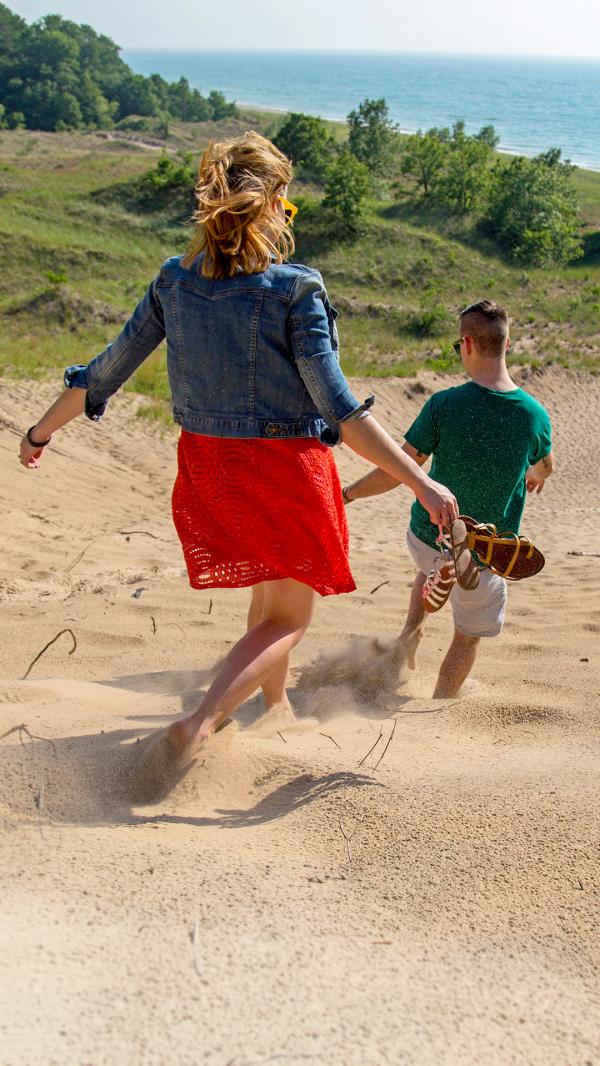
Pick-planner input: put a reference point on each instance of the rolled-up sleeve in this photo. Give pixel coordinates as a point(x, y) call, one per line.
point(105, 374)
point(314, 342)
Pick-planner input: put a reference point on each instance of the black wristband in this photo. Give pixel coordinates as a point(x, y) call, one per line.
point(345, 496)
point(36, 443)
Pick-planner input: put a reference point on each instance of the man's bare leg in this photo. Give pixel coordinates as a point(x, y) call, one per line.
point(389, 667)
point(406, 646)
point(457, 665)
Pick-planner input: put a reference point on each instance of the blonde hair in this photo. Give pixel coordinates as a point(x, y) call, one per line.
point(238, 182)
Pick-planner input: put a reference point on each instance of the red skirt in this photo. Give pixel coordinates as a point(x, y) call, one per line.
point(248, 511)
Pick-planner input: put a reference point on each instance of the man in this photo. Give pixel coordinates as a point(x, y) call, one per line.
point(491, 444)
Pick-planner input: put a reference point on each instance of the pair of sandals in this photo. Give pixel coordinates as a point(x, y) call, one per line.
point(467, 546)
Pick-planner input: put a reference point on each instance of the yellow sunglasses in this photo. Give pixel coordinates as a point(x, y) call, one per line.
point(289, 209)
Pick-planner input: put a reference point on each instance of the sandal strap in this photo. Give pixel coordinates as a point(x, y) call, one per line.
point(486, 534)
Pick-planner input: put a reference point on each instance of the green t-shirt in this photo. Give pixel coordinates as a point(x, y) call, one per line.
point(482, 442)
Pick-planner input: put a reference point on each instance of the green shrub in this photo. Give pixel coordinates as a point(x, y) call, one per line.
point(532, 209)
point(307, 142)
point(346, 190)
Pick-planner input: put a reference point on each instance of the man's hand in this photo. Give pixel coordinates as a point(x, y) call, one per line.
point(534, 484)
point(535, 477)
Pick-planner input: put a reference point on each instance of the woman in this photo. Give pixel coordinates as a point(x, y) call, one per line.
point(260, 397)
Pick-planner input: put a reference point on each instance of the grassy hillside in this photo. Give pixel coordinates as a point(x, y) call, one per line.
point(78, 255)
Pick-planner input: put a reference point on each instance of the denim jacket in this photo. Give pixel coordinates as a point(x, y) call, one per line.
point(255, 355)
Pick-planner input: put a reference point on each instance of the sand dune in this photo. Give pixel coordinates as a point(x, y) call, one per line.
point(408, 881)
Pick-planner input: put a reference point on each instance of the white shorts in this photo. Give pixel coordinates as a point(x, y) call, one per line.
point(478, 613)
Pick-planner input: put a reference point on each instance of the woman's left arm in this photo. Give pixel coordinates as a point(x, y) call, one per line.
point(313, 339)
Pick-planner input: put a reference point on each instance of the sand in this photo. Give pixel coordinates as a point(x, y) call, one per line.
point(291, 900)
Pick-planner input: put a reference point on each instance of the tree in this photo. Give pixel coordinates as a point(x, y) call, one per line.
point(372, 137)
point(306, 141)
point(181, 102)
point(136, 95)
point(424, 158)
point(56, 74)
point(346, 189)
point(488, 135)
point(220, 107)
point(532, 209)
point(466, 176)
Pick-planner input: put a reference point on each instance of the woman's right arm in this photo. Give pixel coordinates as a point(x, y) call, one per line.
point(91, 386)
point(69, 404)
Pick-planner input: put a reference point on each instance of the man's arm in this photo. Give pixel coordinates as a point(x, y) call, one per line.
point(377, 480)
point(536, 476)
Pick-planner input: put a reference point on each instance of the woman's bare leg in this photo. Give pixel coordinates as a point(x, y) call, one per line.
point(287, 610)
point(274, 686)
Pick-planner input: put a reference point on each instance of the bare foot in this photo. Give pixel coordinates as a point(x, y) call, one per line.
point(389, 667)
point(157, 766)
point(406, 649)
point(161, 760)
point(278, 718)
point(343, 666)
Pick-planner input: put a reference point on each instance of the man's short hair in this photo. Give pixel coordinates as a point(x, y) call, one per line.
point(487, 323)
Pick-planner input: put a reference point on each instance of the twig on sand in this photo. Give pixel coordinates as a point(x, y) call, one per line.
point(591, 555)
point(39, 800)
point(282, 736)
point(153, 620)
point(390, 738)
point(377, 587)
point(45, 648)
point(82, 553)
point(210, 606)
point(347, 838)
point(141, 533)
point(331, 739)
point(195, 948)
point(22, 728)
point(109, 533)
point(372, 749)
point(277, 1057)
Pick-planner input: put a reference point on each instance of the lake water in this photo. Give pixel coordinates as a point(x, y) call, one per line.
point(534, 104)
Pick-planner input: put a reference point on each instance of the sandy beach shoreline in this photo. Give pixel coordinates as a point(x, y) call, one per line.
point(292, 900)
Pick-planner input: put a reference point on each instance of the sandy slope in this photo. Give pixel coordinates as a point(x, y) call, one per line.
point(459, 924)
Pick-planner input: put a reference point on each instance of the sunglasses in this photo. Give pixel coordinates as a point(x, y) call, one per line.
point(458, 343)
point(289, 209)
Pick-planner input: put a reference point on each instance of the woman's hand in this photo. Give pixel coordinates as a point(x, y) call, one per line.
point(438, 501)
point(69, 404)
point(29, 456)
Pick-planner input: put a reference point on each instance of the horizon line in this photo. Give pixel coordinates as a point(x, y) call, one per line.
point(358, 52)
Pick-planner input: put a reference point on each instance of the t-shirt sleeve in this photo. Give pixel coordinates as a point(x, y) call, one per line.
point(541, 444)
point(424, 432)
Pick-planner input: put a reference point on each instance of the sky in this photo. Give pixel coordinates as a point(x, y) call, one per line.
point(496, 27)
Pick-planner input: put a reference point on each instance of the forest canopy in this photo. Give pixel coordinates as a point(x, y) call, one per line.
point(58, 75)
